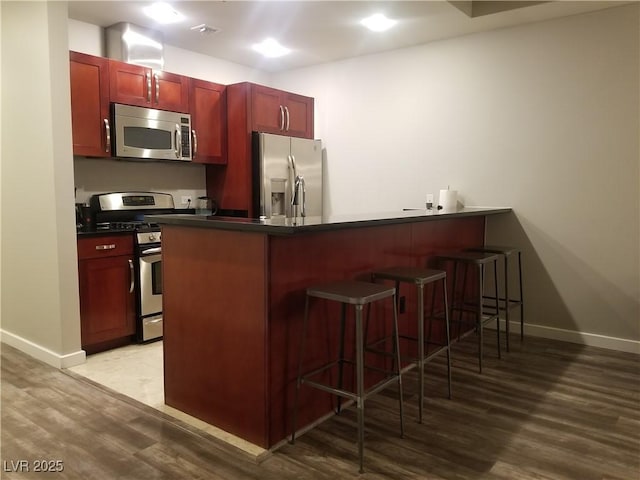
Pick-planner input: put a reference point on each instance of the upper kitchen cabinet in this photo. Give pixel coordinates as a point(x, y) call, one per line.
point(135, 85)
point(208, 108)
point(280, 112)
point(91, 131)
point(252, 107)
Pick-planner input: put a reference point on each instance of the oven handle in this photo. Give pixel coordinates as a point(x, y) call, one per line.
point(150, 251)
point(132, 276)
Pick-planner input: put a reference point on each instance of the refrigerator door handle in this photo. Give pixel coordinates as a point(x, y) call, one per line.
point(292, 179)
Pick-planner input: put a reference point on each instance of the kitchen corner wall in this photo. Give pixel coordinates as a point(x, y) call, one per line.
point(39, 297)
point(543, 118)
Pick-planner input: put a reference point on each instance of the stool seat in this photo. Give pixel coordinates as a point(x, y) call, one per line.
point(417, 275)
point(500, 249)
point(481, 260)
point(421, 277)
point(352, 292)
point(507, 302)
point(358, 294)
point(476, 258)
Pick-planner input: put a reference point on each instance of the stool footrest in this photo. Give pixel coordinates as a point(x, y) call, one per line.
point(346, 393)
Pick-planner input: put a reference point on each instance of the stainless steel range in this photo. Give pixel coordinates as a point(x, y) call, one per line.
point(124, 212)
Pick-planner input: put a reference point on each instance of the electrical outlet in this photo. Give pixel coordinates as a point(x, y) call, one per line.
point(186, 200)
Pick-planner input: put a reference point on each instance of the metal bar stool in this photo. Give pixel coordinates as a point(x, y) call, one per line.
point(358, 294)
point(508, 303)
point(479, 260)
point(421, 277)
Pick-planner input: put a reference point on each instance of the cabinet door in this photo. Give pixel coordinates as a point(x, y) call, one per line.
point(209, 121)
point(299, 115)
point(170, 92)
point(268, 114)
point(107, 306)
point(130, 84)
point(90, 127)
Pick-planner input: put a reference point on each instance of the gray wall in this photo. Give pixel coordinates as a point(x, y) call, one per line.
point(543, 118)
point(39, 298)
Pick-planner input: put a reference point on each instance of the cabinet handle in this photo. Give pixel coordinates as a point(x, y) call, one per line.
point(281, 117)
point(286, 109)
point(132, 285)
point(109, 246)
point(155, 77)
point(107, 130)
point(148, 87)
point(178, 140)
point(195, 142)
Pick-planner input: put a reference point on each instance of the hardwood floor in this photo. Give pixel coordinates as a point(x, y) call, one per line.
point(547, 410)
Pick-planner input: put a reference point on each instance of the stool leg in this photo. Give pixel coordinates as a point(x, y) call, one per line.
point(495, 285)
point(479, 314)
point(453, 294)
point(421, 349)
point(507, 303)
point(446, 322)
point(360, 384)
point(462, 301)
point(521, 297)
point(399, 366)
point(298, 378)
point(343, 313)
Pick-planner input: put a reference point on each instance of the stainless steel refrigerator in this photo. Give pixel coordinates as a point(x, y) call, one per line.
point(287, 176)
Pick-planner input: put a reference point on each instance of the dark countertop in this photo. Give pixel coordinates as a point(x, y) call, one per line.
point(291, 226)
point(85, 232)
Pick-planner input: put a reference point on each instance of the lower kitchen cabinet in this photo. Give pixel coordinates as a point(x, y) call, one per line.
point(107, 302)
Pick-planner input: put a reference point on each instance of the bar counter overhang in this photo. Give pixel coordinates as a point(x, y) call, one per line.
point(234, 293)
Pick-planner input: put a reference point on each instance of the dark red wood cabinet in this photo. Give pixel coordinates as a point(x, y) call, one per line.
point(280, 112)
point(90, 126)
point(107, 303)
point(252, 107)
point(208, 108)
point(141, 86)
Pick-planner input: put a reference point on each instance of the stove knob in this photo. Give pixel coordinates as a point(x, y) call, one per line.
point(152, 237)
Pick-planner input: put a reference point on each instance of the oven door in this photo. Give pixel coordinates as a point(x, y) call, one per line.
point(150, 267)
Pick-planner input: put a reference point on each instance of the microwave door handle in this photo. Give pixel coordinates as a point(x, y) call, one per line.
point(155, 77)
point(178, 138)
point(148, 87)
point(195, 142)
point(107, 131)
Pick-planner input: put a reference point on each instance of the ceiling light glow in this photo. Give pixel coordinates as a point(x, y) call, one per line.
point(378, 22)
point(163, 13)
point(271, 48)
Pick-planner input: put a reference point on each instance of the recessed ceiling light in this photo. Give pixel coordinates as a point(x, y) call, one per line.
point(163, 13)
point(378, 22)
point(270, 48)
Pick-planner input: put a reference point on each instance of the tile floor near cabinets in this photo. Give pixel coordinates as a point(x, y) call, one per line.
point(137, 372)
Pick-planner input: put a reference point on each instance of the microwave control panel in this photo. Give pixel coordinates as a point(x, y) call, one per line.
point(186, 141)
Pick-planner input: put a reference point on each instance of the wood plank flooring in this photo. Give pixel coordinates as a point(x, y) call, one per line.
point(547, 410)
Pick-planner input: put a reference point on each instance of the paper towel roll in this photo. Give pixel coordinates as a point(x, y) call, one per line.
point(448, 199)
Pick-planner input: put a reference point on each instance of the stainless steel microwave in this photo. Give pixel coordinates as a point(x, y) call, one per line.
point(146, 133)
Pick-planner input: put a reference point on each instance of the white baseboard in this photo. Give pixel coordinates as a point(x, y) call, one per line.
point(572, 336)
point(41, 353)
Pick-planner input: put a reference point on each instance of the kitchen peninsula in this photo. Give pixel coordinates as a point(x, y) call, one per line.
point(234, 294)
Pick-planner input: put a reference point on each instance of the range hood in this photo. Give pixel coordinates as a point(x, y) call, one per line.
point(134, 44)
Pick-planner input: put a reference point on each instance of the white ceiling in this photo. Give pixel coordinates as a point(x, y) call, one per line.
point(319, 31)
